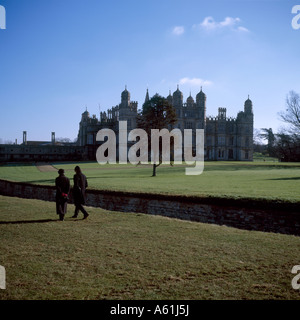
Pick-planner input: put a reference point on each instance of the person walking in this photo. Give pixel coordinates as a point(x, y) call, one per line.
point(79, 195)
point(62, 184)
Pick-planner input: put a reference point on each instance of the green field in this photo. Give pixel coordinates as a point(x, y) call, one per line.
point(115, 255)
point(254, 180)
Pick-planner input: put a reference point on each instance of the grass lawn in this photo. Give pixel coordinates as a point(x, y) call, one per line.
point(257, 180)
point(115, 255)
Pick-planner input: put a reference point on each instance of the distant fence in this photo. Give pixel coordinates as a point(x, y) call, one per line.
point(246, 214)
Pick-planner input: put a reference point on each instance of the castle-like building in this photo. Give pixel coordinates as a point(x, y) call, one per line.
point(225, 138)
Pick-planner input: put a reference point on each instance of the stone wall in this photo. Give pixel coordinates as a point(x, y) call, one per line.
point(245, 214)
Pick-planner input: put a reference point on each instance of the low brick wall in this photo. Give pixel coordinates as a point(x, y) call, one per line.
point(244, 214)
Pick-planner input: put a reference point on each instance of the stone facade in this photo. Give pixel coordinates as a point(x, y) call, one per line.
point(225, 138)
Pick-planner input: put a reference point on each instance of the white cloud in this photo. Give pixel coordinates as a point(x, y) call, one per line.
point(195, 82)
point(178, 30)
point(229, 22)
point(243, 29)
point(209, 23)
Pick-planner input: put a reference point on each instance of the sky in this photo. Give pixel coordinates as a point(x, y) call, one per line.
point(61, 57)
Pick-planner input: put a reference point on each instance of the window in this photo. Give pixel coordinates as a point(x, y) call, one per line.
point(221, 141)
point(247, 142)
point(209, 140)
point(188, 125)
point(90, 139)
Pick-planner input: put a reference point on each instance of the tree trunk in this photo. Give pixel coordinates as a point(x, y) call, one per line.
point(154, 170)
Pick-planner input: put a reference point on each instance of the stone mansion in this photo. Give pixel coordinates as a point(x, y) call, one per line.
point(225, 138)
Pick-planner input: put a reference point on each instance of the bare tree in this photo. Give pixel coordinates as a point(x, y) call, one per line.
point(292, 113)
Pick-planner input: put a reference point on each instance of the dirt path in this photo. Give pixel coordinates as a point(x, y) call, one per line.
point(44, 167)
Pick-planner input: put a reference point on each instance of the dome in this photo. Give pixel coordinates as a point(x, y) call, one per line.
point(248, 106)
point(201, 93)
point(125, 98)
point(178, 94)
point(170, 98)
point(200, 96)
point(85, 113)
point(177, 98)
point(190, 100)
point(125, 93)
point(248, 101)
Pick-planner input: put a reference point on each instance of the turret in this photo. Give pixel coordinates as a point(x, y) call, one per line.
point(222, 113)
point(125, 98)
point(177, 98)
point(248, 106)
point(201, 99)
point(201, 105)
point(190, 101)
point(170, 98)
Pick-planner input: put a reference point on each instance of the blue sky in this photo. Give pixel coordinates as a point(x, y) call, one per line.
point(58, 57)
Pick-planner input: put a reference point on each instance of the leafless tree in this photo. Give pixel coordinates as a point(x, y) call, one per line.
point(291, 115)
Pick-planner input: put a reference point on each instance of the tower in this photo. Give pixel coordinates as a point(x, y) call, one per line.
point(177, 98)
point(201, 105)
point(248, 107)
point(25, 137)
point(170, 98)
point(53, 137)
point(190, 101)
point(125, 98)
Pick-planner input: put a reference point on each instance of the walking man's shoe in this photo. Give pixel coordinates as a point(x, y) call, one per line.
point(85, 216)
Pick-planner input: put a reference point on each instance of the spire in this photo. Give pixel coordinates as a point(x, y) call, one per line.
point(147, 96)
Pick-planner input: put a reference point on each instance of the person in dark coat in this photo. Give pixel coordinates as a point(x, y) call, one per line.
point(79, 195)
point(62, 184)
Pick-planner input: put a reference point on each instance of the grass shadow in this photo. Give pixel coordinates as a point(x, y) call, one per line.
point(28, 221)
point(282, 179)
